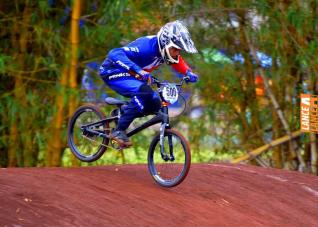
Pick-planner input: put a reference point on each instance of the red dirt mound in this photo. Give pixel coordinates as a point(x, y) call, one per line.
point(211, 195)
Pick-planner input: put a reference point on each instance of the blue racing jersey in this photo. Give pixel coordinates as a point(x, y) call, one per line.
point(141, 54)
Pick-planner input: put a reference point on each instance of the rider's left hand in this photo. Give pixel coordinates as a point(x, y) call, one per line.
point(192, 76)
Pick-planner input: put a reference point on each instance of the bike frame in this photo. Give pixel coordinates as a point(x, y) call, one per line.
point(161, 117)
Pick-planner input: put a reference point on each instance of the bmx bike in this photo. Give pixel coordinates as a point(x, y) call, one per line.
point(169, 156)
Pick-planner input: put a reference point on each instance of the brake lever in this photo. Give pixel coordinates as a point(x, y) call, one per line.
point(156, 81)
point(186, 79)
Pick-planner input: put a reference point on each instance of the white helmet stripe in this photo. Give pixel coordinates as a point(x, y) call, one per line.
point(177, 35)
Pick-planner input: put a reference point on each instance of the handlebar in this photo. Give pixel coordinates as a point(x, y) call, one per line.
point(156, 81)
point(159, 83)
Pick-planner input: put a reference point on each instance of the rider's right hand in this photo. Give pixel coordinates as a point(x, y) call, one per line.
point(192, 77)
point(144, 75)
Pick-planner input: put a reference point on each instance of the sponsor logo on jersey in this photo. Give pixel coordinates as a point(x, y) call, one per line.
point(122, 64)
point(118, 75)
point(133, 49)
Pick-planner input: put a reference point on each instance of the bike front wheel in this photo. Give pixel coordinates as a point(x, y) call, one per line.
point(171, 168)
point(84, 145)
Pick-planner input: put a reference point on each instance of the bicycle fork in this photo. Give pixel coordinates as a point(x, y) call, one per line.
point(165, 156)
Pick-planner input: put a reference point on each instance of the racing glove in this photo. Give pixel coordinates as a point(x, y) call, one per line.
point(144, 76)
point(192, 76)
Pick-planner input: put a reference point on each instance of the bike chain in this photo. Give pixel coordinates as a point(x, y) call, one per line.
point(113, 148)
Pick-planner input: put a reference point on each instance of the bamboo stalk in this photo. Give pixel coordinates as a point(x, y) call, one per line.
point(15, 151)
point(254, 153)
point(13, 145)
point(74, 39)
point(69, 76)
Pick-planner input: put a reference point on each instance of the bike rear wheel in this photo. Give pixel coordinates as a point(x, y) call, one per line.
point(169, 173)
point(84, 145)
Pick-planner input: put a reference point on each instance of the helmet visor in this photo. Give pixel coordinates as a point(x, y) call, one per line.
point(181, 37)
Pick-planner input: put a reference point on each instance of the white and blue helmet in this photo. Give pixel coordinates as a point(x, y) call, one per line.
point(174, 34)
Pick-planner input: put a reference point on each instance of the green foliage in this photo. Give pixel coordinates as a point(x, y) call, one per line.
point(286, 31)
point(44, 7)
point(4, 59)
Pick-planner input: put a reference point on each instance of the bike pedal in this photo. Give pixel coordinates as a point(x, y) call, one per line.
point(119, 146)
point(124, 146)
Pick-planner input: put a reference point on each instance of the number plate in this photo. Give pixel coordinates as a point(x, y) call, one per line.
point(170, 93)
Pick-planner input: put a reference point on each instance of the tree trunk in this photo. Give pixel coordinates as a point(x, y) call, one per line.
point(54, 148)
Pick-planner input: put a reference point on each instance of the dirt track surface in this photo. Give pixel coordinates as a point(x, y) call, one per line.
point(212, 195)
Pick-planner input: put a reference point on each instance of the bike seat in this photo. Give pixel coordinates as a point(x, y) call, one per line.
point(113, 101)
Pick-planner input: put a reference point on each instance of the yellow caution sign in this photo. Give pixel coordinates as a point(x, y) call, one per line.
point(309, 113)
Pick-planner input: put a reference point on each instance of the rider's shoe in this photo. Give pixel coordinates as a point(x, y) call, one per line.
point(121, 138)
point(114, 112)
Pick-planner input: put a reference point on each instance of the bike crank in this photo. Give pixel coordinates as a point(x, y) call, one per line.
point(111, 147)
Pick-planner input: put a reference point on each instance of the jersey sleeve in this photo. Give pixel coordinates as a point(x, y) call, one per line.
point(119, 56)
point(181, 66)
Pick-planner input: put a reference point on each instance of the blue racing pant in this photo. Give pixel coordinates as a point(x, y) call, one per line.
point(144, 100)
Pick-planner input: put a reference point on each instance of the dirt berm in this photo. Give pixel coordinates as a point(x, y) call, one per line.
point(211, 195)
